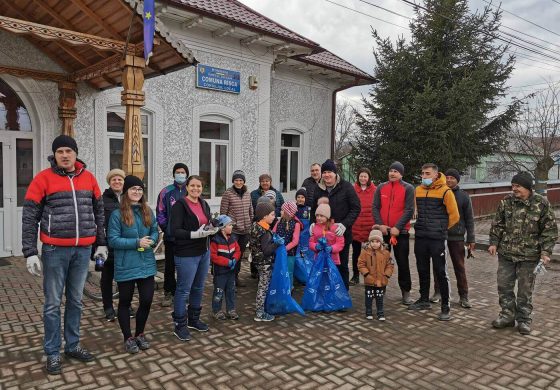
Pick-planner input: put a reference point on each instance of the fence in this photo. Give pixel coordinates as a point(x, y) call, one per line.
point(485, 197)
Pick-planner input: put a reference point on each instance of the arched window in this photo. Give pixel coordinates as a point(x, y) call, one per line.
point(13, 114)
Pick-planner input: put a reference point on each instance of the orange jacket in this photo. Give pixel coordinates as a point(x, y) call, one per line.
point(376, 266)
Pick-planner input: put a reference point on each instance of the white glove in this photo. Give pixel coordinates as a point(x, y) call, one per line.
point(311, 227)
point(34, 265)
point(340, 229)
point(201, 233)
point(101, 251)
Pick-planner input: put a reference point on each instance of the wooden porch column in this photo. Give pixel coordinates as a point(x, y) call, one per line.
point(133, 98)
point(67, 106)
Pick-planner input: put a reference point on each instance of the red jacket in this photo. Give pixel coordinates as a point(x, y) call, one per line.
point(365, 221)
point(223, 250)
point(337, 242)
point(393, 204)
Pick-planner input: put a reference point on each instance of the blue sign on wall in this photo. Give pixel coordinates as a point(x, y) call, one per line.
point(218, 79)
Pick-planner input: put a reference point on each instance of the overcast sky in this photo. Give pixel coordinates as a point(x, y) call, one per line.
point(348, 34)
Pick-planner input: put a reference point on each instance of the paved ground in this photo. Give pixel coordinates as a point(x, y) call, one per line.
point(327, 351)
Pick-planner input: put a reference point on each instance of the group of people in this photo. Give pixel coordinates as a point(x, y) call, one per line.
point(75, 223)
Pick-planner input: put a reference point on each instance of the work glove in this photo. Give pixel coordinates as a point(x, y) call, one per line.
point(311, 227)
point(277, 240)
point(101, 251)
point(393, 240)
point(34, 265)
point(328, 249)
point(203, 233)
point(231, 264)
point(340, 229)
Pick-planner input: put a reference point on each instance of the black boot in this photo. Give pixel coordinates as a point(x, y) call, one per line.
point(181, 330)
point(193, 321)
point(379, 293)
point(369, 302)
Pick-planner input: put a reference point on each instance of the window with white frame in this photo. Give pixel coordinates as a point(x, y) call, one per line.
point(115, 135)
point(214, 155)
point(290, 155)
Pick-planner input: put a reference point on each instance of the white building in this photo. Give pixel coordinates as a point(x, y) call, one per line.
point(279, 122)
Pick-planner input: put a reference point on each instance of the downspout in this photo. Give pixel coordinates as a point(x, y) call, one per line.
point(333, 112)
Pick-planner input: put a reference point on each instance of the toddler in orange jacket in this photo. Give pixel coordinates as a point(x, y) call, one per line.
point(376, 265)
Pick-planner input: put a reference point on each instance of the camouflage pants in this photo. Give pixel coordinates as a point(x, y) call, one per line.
point(509, 272)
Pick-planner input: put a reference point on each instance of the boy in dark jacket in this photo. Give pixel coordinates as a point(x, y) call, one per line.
point(263, 248)
point(224, 254)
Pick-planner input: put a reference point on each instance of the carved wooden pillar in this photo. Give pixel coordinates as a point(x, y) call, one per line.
point(133, 98)
point(67, 106)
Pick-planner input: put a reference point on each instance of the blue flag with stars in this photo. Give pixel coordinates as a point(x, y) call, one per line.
point(149, 28)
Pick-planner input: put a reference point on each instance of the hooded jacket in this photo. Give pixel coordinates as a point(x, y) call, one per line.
point(363, 224)
point(222, 250)
point(437, 210)
point(376, 266)
point(130, 263)
point(466, 221)
point(67, 208)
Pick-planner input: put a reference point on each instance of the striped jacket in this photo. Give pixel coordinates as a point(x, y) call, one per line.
point(222, 250)
point(68, 209)
point(239, 208)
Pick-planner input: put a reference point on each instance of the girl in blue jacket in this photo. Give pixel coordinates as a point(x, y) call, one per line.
point(133, 233)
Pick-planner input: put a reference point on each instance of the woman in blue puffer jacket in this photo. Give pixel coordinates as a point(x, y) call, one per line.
point(132, 233)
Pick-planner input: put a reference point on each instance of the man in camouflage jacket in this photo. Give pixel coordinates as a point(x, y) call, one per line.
point(523, 231)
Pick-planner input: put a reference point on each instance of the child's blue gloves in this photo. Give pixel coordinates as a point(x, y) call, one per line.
point(277, 239)
point(328, 249)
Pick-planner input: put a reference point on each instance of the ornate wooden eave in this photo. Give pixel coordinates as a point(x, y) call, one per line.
point(34, 74)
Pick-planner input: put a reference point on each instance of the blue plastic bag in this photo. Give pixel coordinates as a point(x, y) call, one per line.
point(304, 255)
point(279, 296)
point(325, 290)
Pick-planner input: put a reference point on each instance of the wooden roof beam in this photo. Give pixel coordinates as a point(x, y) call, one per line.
point(92, 15)
point(42, 31)
point(102, 67)
point(33, 73)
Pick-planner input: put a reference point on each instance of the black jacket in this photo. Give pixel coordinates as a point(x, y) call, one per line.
point(466, 223)
point(344, 202)
point(310, 187)
point(110, 204)
point(183, 222)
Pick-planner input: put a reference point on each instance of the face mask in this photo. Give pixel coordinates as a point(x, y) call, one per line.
point(180, 178)
point(427, 182)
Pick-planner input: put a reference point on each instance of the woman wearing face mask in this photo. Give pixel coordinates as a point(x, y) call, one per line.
point(190, 217)
point(166, 199)
point(133, 233)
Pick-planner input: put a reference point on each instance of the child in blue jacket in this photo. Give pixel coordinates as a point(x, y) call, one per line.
point(132, 233)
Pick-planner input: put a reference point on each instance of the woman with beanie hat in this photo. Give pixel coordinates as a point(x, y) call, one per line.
point(263, 248)
point(133, 233)
point(365, 190)
point(236, 204)
point(111, 202)
point(289, 228)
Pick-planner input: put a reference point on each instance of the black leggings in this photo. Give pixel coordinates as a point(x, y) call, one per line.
point(145, 294)
point(106, 283)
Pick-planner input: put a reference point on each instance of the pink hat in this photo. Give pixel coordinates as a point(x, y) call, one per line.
point(289, 208)
point(324, 210)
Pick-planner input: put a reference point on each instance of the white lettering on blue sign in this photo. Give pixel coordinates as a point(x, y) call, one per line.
point(217, 79)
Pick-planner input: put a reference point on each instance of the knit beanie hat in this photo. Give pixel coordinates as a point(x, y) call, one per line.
point(397, 166)
point(524, 179)
point(265, 176)
point(263, 209)
point(223, 220)
point(453, 172)
point(324, 210)
point(301, 191)
point(376, 235)
point(180, 165)
point(265, 199)
point(270, 194)
point(132, 181)
point(115, 172)
point(290, 208)
point(238, 174)
point(322, 200)
point(328, 165)
point(64, 141)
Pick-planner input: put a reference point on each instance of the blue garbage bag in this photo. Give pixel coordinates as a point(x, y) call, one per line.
point(279, 296)
point(325, 290)
point(304, 255)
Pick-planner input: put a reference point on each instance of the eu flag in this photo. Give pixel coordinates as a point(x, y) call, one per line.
point(149, 28)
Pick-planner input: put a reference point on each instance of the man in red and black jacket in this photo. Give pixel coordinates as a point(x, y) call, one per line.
point(393, 207)
point(64, 203)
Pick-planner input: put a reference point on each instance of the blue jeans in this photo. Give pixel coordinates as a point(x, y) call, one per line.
point(191, 275)
point(224, 285)
point(64, 269)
